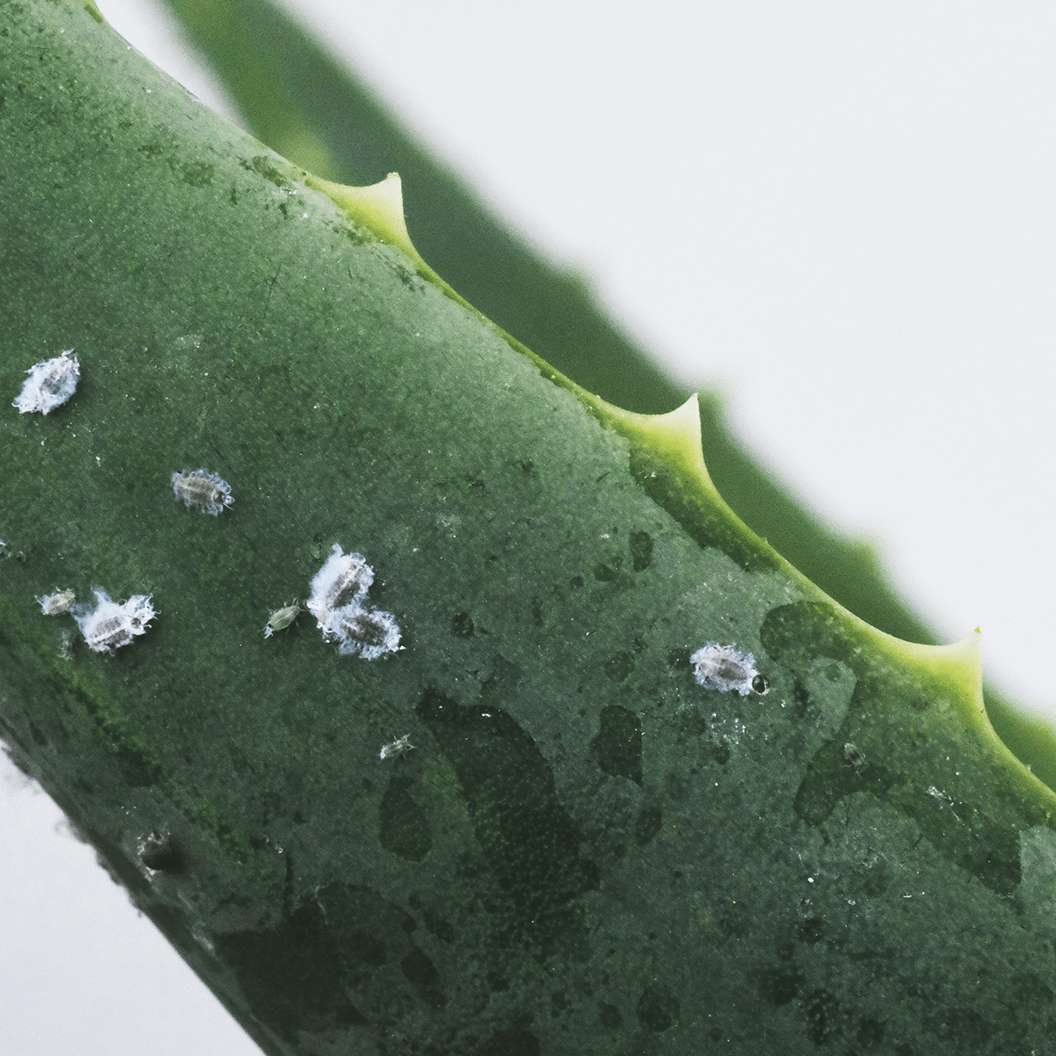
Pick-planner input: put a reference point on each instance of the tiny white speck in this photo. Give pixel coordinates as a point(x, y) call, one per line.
point(396, 747)
point(49, 384)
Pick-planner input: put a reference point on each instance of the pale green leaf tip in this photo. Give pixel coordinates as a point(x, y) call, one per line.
point(378, 206)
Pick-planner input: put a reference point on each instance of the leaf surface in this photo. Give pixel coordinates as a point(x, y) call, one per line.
point(585, 851)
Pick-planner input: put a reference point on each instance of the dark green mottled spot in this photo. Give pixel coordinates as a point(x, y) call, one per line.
point(641, 544)
point(658, 1009)
point(618, 745)
point(403, 827)
point(531, 843)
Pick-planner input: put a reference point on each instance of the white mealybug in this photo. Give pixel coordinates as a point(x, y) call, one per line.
point(396, 747)
point(201, 489)
point(344, 579)
point(109, 625)
point(49, 384)
point(280, 619)
point(727, 669)
point(358, 631)
point(56, 603)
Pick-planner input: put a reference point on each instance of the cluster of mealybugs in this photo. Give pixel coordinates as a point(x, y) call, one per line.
point(337, 599)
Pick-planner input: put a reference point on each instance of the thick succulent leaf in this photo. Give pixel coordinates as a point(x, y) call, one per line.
point(313, 110)
point(585, 852)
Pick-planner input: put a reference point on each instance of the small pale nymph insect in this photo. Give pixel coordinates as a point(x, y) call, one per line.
point(343, 579)
point(362, 632)
point(727, 669)
point(280, 619)
point(203, 490)
point(56, 603)
point(49, 384)
point(110, 625)
point(396, 747)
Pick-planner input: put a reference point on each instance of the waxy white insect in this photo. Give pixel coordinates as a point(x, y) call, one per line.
point(396, 747)
point(49, 384)
point(110, 625)
point(203, 490)
point(56, 603)
point(337, 599)
point(343, 579)
point(727, 669)
point(358, 631)
point(280, 619)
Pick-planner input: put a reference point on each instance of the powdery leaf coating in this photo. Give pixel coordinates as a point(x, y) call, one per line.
point(110, 625)
point(396, 747)
point(56, 603)
point(344, 579)
point(366, 633)
point(49, 384)
point(203, 490)
point(727, 669)
point(280, 619)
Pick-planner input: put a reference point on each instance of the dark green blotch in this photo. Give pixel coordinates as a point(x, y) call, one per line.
point(516, 1042)
point(779, 985)
point(811, 930)
point(161, 853)
point(870, 1033)
point(641, 550)
point(531, 844)
point(403, 827)
point(619, 666)
point(291, 974)
point(462, 625)
point(419, 970)
point(263, 166)
point(648, 824)
point(821, 1012)
point(618, 745)
point(966, 1027)
point(658, 1009)
point(197, 173)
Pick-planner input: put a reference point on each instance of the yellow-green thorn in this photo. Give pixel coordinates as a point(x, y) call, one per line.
point(676, 433)
point(378, 206)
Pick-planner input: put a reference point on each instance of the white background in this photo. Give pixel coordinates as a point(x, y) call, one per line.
point(841, 215)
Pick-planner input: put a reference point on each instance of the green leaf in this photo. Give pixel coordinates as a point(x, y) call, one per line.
point(586, 851)
point(309, 107)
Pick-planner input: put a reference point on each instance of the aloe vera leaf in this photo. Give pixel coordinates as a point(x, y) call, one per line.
point(309, 107)
point(585, 852)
